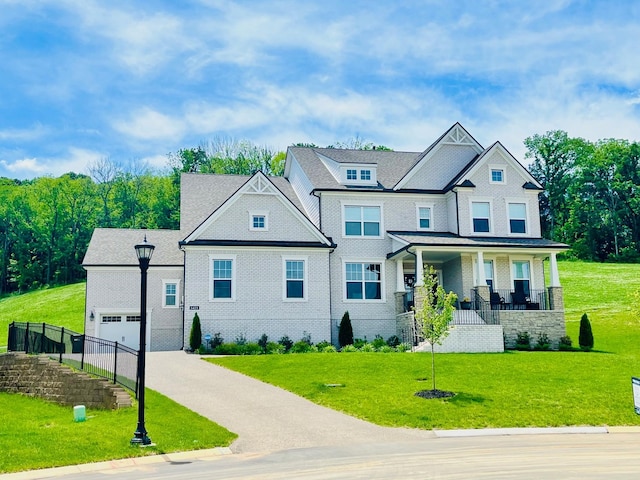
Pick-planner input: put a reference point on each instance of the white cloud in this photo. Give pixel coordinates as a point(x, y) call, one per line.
point(24, 134)
point(77, 160)
point(147, 124)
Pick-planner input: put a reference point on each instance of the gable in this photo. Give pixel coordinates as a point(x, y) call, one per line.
point(442, 161)
point(278, 219)
point(498, 158)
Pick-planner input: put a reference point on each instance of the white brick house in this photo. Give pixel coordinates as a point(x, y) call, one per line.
point(342, 230)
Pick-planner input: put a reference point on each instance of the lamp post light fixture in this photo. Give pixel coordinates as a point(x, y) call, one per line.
point(144, 251)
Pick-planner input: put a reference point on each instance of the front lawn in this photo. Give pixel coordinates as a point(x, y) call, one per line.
point(513, 389)
point(39, 434)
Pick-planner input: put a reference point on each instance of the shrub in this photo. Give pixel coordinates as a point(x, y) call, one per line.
point(348, 349)
point(523, 341)
point(216, 340)
point(275, 348)
point(286, 342)
point(195, 336)
point(229, 349)
point(585, 339)
point(322, 345)
point(359, 343)
point(241, 339)
point(345, 332)
point(306, 338)
point(378, 342)
point(565, 343)
point(393, 341)
point(386, 349)
point(403, 347)
point(263, 341)
point(367, 347)
point(327, 349)
point(252, 348)
point(543, 342)
point(301, 347)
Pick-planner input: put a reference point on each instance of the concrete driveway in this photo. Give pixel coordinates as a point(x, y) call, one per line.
point(266, 418)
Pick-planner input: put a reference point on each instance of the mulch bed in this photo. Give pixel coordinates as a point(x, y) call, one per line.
point(434, 394)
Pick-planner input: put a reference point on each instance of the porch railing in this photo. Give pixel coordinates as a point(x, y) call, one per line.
point(103, 358)
point(510, 300)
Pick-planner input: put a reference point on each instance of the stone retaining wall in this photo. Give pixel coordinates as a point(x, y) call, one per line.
point(535, 322)
point(40, 376)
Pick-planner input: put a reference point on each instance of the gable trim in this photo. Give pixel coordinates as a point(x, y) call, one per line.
point(456, 135)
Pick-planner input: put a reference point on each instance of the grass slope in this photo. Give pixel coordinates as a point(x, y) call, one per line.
point(514, 389)
point(62, 306)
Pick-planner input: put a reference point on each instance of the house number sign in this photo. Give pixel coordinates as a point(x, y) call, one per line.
point(194, 307)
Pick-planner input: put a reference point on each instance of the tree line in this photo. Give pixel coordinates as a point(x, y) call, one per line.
point(591, 197)
point(590, 201)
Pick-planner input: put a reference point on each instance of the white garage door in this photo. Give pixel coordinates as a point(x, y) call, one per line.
point(121, 328)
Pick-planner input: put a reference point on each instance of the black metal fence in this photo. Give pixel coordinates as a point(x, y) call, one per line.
point(103, 358)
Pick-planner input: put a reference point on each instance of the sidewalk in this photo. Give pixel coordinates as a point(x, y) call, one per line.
point(266, 418)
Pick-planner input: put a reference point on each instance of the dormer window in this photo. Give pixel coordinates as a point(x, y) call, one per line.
point(358, 174)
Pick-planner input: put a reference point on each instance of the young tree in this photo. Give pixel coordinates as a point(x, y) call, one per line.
point(195, 336)
point(435, 314)
point(345, 333)
point(586, 335)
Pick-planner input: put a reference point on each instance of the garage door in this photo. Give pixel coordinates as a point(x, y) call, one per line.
point(124, 329)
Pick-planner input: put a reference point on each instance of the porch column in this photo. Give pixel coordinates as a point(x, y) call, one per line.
point(419, 269)
point(399, 276)
point(482, 280)
point(554, 278)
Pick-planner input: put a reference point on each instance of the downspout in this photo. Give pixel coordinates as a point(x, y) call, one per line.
point(184, 289)
point(457, 213)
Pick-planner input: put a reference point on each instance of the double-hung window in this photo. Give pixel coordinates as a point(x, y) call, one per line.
point(223, 279)
point(294, 279)
point(361, 221)
point(424, 218)
point(488, 273)
point(517, 218)
point(170, 293)
point(363, 281)
point(481, 212)
point(521, 277)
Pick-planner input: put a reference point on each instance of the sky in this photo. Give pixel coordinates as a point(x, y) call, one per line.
point(83, 80)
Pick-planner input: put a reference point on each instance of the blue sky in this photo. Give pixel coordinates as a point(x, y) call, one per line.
point(82, 80)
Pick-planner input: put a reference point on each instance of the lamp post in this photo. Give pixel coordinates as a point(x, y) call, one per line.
point(144, 251)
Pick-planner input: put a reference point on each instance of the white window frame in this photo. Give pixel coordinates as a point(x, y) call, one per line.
point(471, 217)
point(504, 174)
point(349, 172)
point(166, 282)
point(431, 208)
point(213, 257)
point(380, 235)
point(377, 261)
point(367, 172)
point(305, 283)
point(259, 213)
point(526, 216)
point(517, 258)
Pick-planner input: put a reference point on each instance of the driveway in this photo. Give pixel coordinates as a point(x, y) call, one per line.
point(266, 418)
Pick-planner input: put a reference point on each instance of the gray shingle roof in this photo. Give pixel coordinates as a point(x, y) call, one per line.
point(115, 246)
point(449, 239)
point(391, 166)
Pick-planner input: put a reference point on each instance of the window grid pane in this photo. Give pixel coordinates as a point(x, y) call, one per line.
point(258, 221)
point(496, 175)
point(425, 217)
point(352, 174)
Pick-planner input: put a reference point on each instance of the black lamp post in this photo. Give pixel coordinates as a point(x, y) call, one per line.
point(144, 251)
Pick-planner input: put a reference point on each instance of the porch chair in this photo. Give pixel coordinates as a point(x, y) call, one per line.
point(497, 302)
point(519, 300)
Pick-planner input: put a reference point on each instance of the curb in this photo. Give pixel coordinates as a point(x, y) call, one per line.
point(485, 432)
point(175, 457)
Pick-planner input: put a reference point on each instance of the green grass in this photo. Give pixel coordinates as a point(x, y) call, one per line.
point(38, 434)
point(513, 389)
point(61, 306)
